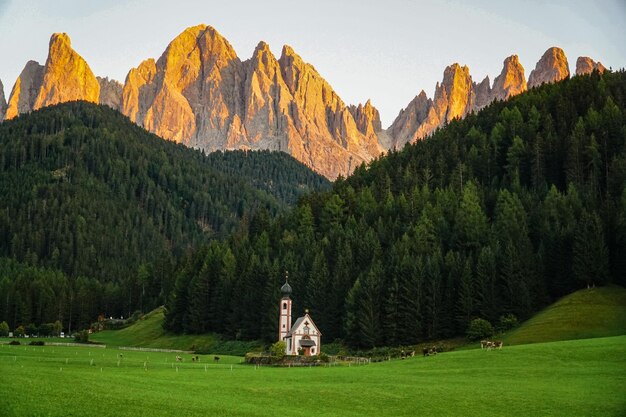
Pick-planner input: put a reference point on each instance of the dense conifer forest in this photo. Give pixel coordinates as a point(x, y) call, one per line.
point(496, 214)
point(499, 213)
point(97, 211)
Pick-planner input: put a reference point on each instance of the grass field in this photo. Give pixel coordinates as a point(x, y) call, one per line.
point(571, 378)
point(595, 312)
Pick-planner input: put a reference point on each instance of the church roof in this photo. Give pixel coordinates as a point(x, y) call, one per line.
point(295, 325)
point(299, 322)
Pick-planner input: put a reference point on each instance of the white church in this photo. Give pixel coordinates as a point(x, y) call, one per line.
point(303, 337)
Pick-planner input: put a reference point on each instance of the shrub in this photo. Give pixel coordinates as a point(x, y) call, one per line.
point(31, 329)
point(82, 337)
point(324, 357)
point(14, 342)
point(57, 327)
point(37, 343)
point(4, 329)
point(479, 329)
point(46, 329)
point(278, 349)
point(507, 322)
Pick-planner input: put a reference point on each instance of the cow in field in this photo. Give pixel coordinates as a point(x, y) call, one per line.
point(216, 359)
point(491, 344)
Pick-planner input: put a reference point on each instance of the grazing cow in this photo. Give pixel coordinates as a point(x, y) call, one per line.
point(193, 359)
point(484, 344)
point(179, 358)
point(433, 350)
point(497, 344)
point(216, 359)
point(425, 351)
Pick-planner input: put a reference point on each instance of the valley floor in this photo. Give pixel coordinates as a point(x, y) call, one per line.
point(570, 378)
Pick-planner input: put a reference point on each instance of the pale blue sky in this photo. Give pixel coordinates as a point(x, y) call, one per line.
point(386, 50)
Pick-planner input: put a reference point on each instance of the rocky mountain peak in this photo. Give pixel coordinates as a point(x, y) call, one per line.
point(411, 124)
point(552, 67)
point(25, 90)
point(3, 102)
point(511, 80)
point(454, 98)
point(482, 93)
point(367, 118)
point(110, 92)
point(586, 65)
point(67, 77)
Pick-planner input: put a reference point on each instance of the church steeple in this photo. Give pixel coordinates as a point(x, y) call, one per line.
point(284, 323)
point(286, 288)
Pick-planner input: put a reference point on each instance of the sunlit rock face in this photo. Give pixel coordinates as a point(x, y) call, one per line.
point(586, 65)
point(552, 67)
point(66, 76)
point(454, 98)
point(511, 80)
point(3, 102)
point(201, 94)
point(457, 94)
point(110, 93)
point(25, 90)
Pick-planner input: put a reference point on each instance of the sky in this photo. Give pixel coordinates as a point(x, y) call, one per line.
point(383, 50)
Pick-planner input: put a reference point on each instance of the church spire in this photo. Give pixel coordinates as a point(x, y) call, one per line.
point(286, 288)
point(284, 323)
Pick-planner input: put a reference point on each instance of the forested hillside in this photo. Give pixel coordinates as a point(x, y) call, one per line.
point(499, 213)
point(88, 193)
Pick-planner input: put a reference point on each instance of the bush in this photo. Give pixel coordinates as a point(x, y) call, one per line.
point(507, 322)
point(82, 337)
point(479, 329)
point(4, 329)
point(14, 342)
point(278, 349)
point(324, 357)
point(37, 343)
point(31, 329)
point(46, 329)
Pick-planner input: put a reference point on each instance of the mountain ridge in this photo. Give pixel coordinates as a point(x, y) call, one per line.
point(201, 94)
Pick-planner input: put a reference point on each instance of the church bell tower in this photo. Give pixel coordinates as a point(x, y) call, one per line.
point(284, 324)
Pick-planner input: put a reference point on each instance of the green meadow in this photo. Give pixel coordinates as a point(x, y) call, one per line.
point(593, 312)
point(568, 378)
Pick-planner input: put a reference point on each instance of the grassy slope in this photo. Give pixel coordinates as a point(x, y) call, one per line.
point(571, 378)
point(595, 312)
point(148, 332)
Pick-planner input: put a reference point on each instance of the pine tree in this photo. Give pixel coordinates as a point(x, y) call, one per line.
point(590, 253)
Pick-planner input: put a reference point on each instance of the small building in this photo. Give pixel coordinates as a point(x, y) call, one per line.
point(303, 337)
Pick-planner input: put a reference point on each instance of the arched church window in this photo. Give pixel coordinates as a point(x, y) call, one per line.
point(284, 306)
